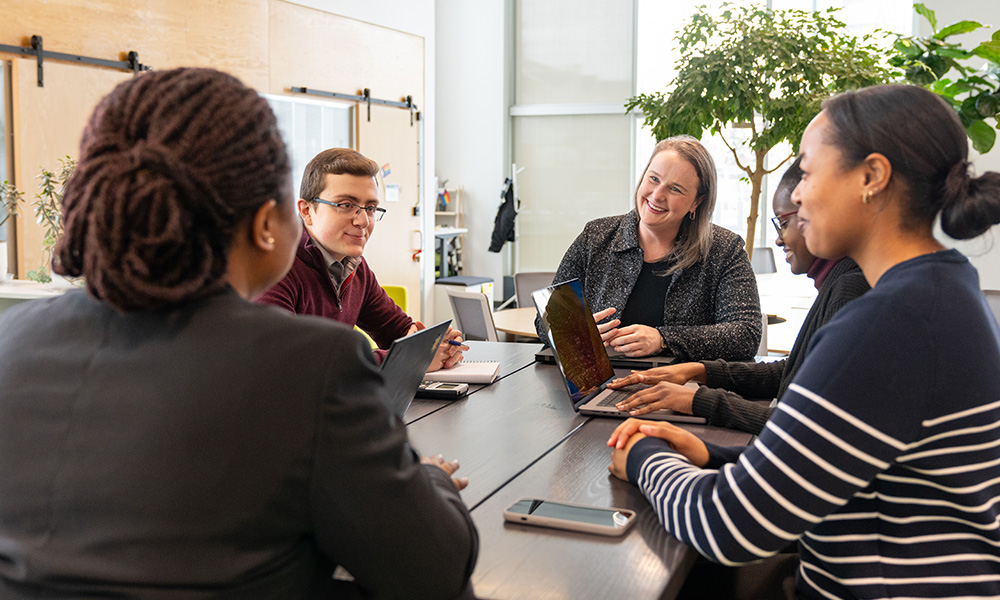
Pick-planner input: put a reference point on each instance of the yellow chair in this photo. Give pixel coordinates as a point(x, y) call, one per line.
point(397, 293)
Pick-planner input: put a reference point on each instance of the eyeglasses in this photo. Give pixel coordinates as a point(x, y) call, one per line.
point(781, 222)
point(349, 208)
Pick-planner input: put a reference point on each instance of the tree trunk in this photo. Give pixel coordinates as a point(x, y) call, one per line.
point(756, 183)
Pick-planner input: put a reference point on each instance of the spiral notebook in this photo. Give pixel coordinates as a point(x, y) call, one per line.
point(467, 371)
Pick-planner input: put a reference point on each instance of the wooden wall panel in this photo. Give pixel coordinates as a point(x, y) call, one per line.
point(312, 48)
point(270, 45)
point(48, 122)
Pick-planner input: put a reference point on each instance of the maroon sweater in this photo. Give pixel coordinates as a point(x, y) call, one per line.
point(308, 290)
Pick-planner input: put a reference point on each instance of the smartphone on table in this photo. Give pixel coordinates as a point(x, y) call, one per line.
point(570, 516)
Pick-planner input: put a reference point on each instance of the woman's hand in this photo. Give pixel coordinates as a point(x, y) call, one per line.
point(448, 355)
point(679, 374)
point(609, 330)
point(632, 430)
point(449, 467)
point(660, 396)
point(636, 340)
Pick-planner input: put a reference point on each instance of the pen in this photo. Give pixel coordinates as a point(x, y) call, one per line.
point(454, 343)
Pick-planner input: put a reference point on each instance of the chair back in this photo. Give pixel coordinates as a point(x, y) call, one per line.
point(473, 316)
point(398, 295)
point(525, 283)
point(763, 260)
point(993, 299)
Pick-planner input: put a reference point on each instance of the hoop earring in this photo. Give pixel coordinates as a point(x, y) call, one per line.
point(691, 215)
point(866, 197)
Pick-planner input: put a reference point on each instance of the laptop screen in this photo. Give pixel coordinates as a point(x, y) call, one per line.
point(574, 338)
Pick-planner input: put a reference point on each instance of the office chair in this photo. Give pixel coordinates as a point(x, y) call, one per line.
point(525, 283)
point(763, 260)
point(398, 295)
point(473, 316)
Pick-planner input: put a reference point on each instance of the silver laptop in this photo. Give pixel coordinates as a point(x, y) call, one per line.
point(582, 359)
point(405, 364)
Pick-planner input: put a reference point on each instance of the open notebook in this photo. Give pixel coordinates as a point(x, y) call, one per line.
point(467, 371)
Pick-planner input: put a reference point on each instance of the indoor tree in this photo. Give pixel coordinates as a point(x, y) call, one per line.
point(765, 70)
point(951, 71)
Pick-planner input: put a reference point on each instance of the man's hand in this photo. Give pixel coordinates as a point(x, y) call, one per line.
point(449, 467)
point(448, 354)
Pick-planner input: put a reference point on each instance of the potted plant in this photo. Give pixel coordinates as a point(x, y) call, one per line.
point(766, 70)
point(944, 67)
point(47, 208)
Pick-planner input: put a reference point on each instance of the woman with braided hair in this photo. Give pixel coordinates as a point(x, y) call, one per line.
point(163, 437)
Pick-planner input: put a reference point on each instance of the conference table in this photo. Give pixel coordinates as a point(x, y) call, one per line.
point(520, 437)
point(517, 321)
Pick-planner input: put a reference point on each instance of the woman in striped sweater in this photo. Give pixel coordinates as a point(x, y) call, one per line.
point(883, 457)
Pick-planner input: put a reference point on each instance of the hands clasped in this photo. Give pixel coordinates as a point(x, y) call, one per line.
point(624, 437)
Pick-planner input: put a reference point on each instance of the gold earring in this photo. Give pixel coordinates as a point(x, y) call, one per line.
point(866, 197)
point(270, 240)
point(691, 215)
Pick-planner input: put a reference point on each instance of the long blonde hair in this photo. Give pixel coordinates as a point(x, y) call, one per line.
point(694, 239)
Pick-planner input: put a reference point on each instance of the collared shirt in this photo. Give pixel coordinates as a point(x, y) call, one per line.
point(340, 270)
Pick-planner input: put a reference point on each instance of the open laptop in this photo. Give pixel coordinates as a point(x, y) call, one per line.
point(582, 359)
point(618, 360)
point(406, 362)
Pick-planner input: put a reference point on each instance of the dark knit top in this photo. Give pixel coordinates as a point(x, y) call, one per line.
point(726, 407)
point(711, 309)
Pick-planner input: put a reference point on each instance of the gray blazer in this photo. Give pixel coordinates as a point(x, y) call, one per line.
point(219, 449)
point(711, 309)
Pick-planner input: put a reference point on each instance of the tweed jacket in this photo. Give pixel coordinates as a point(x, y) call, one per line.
point(711, 309)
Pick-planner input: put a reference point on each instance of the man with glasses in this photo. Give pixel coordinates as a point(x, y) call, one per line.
point(339, 206)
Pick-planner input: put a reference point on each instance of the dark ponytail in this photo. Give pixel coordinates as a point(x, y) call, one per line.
point(170, 163)
point(926, 144)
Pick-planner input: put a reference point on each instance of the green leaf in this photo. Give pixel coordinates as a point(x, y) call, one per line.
point(988, 105)
point(957, 28)
point(982, 135)
point(989, 50)
point(927, 14)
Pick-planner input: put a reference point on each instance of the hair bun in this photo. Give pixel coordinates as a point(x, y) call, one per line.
point(971, 205)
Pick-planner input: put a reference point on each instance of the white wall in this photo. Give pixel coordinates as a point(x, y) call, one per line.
point(415, 17)
point(984, 252)
point(471, 103)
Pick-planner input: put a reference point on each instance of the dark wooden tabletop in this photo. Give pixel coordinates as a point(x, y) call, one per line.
point(512, 357)
point(520, 437)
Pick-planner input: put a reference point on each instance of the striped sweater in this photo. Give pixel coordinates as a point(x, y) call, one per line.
point(882, 458)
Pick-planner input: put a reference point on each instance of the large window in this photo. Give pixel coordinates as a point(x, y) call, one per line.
point(574, 66)
point(656, 56)
point(311, 126)
point(569, 132)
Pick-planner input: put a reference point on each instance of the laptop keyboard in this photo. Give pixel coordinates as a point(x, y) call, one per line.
point(616, 396)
